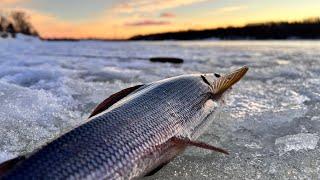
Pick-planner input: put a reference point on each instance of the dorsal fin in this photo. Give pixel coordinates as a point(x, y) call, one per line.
point(188, 142)
point(113, 99)
point(8, 165)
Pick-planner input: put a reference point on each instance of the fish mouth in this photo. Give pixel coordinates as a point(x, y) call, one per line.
point(225, 82)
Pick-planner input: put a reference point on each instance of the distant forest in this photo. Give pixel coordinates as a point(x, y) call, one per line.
point(306, 29)
point(15, 22)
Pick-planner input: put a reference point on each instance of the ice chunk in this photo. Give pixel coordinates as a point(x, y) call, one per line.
point(315, 118)
point(282, 62)
point(297, 142)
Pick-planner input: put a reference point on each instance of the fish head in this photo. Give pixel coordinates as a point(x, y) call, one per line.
point(220, 86)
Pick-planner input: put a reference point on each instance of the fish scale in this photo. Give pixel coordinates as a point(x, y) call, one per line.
point(127, 140)
point(137, 124)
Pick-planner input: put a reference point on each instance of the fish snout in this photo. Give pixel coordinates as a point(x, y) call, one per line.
point(225, 82)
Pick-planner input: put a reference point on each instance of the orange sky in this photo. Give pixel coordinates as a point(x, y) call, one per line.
point(122, 19)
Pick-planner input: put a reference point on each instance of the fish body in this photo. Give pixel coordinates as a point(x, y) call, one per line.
point(133, 136)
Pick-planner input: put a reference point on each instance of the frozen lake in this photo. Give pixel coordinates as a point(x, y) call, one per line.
point(270, 125)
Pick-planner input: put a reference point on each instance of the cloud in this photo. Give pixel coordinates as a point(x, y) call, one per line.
point(132, 6)
point(148, 23)
point(229, 9)
point(9, 3)
point(167, 15)
point(122, 20)
point(50, 26)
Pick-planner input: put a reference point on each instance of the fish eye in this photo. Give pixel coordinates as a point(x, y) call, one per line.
point(217, 75)
point(205, 80)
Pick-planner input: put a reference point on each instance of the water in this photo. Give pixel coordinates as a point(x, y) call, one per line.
point(270, 125)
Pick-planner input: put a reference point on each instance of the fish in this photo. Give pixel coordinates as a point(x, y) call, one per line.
point(133, 132)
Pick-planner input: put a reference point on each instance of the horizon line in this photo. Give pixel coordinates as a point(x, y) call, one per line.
point(57, 38)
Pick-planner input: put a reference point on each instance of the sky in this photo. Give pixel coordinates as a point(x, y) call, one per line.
point(118, 19)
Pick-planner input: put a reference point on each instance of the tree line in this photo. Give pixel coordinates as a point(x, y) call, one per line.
point(305, 29)
point(15, 22)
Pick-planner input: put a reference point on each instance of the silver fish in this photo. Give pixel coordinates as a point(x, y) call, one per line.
point(133, 132)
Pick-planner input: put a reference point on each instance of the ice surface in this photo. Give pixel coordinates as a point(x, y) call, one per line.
point(297, 142)
point(270, 124)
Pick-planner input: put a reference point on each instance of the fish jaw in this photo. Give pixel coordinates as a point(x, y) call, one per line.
point(225, 82)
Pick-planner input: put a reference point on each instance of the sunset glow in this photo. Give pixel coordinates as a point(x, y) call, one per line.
point(122, 19)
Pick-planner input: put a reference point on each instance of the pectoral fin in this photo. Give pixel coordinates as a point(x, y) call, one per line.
point(187, 142)
point(8, 165)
